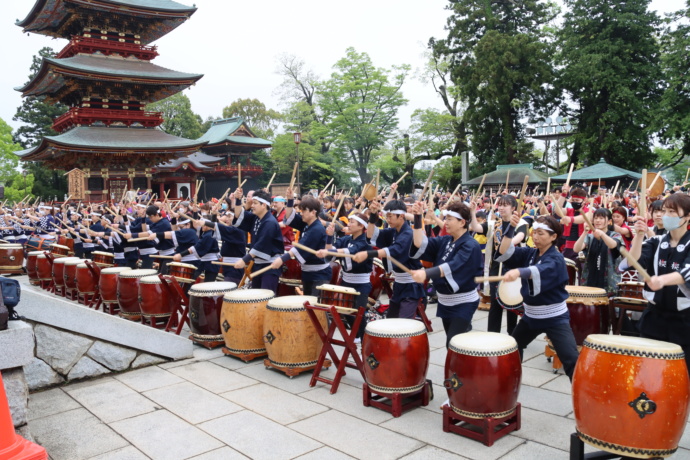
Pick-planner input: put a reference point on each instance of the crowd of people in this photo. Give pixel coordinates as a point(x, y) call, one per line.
point(433, 246)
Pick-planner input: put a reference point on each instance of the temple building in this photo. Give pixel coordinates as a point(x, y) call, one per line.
point(105, 75)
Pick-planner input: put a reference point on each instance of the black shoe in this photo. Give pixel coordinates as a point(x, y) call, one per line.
point(14, 316)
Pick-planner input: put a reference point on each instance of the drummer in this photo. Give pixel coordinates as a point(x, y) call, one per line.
point(544, 277)
point(667, 259)
point(206, 249)
point(140, 225)
point(456, 259)
point(233, 247)
point(601, 256)
point(356, 275)
point(183, 238)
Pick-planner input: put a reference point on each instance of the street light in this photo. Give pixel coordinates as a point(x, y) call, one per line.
point(298, 139)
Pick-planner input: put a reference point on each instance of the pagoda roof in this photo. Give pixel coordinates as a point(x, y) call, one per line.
point(109, 140)
point(231, 131)
point(517, 176)
point(63, 18)
point(54, 73)
point(601, 170)
point(197, 160)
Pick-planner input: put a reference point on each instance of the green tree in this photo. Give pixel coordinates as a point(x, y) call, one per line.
point(610, 59)
point(360, 103)
point(15, 184)
point(261, 120)
point(180, 119)
point(499, 54)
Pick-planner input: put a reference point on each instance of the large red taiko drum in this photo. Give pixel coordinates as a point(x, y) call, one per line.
point(483, 374)
point(11, 257)
point(205, 305)
point(43, 268)
point(31, 266)
point(87, 280)
point(128, 292)
point(58, 270)
point(588, 309)
point(631, 395)
point(70, 272)
point(290, 278)
point(396, 355)
point(155, 299)
point(107, 283)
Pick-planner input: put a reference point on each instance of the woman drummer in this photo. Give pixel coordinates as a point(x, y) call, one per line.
point(601, 256)
point(544, 277)
point(356, 275)
point(457, 259)
point(667, 259)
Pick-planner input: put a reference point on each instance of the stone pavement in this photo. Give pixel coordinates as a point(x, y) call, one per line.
point(217, 407)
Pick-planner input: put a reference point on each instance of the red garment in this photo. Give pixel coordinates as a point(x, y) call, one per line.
point(288, 232)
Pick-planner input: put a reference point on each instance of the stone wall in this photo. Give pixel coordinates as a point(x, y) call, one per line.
point(63, 356)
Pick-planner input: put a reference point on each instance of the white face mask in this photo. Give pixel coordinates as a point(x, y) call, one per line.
point(671, 223)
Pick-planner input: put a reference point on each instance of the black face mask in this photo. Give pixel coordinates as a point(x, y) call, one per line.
point(576, 206)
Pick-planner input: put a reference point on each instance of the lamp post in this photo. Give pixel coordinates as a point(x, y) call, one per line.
point(298, 139)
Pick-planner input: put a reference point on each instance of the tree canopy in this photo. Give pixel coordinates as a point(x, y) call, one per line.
point(179, 118)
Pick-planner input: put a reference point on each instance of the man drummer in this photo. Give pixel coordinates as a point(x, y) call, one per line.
point(206, 249)
point(158, 224)
point(233, 248)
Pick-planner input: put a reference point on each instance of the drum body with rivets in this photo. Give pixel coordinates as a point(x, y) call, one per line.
point(396, 355)
point(103, 259)
point(588, 309)
point(184, 273)
point(290, 337)
point(58, 269)
point(59, 250)
point(70, 271)
point(43, 268)
point(339, 296)
point(242, 320)
point(31, 266)
point(631, 395)
point(128, 291)
point(483, 374)
point(87, 279)
point(155, 298)
point(107, 283)
point(11, 256)
point(205, 305)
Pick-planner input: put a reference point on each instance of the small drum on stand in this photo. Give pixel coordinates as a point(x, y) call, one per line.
point(69, 273)
point(483, 374)
point(36, 243)
point(87, 281)
point(43, 268)
point(58, 250)
point(128, 292)
point(66, 241)
point(573, 272)
point(31, 267)
point(588, 308)
point(630, 290)
point(156, 300)
point(205, 305)
point(183, 273)
point(58, 271)
point(509, 296)
point(242, 322)
point(292, 343)
point(376, 278)
point(631, 395)
point(291, 279)
point(103, 259)
point(338, 296)
point(11, 258)
point(107, 285)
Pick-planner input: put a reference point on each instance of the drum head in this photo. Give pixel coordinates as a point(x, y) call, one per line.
point(82, 265)
point(334, 288)
point(630, 300)
point(35, 253)
point(138, 273)
point(249, 295)
point(180, 264)
point(211, 289)
point(570, 262)
point(634, 346)
point(73, 261)
point(586, 291)
point(107, 254)
point(152, 279)
point(59, 246)
point(509, 293)
point(111, 270)
point(11, 246)
point(290, 302)
point(478, 343)
point(395, 327)
point(64, 260)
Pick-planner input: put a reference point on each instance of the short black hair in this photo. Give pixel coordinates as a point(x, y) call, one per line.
point(395, 205)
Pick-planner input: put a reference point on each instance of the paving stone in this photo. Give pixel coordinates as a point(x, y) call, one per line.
point(17, 345)
point(17, 393)
point(349, 401)
point(437, 340)
point(272, 403)
point(230, 362)
point(436, 374)
point(536, 377)
point(128, 453)
point(148, 378)
point(204, 354)
point(192, 403)
point(111, 356)
point(163, 436)
point(324, 452)
point(535, 451)
point(428, 427)
point(432, 453)
point(438, 357)
point(85, 368)
point(224, 453)
point(60, 350)
point(546, 429)
point(545, 400)
point(80, 435)
point(356, 437)
point(212, 377)
point(298, 384)
point(40, 375)
point(144, 359)
point(50, 402)
point(259, 438)
point(560, 384)
point(539, 362)
point(111, 400)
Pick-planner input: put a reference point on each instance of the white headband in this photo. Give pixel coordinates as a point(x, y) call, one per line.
point(538, 225)
point(395, 212)
point(261, 200)
point(453, 214)
point(360, 220)
point(184, 222)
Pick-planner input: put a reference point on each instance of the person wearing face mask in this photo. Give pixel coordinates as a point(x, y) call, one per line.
point(667, 260)
point(573, 222)
point(279, 206)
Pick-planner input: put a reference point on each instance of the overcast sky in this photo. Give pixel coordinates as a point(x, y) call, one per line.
point(235, 45)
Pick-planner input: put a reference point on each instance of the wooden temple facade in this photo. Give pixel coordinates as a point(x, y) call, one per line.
point(106, 77)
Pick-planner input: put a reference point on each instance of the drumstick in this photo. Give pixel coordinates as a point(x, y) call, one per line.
point(557, 207)
point(643, 195)
point(686, 177)
point(160, 257)
point(327, 185)
point(271, 181)
point(260, 272)
point(452, 196)
point(378, 177)
point(3, 241)
point(548, 186)
point(635, 264)
point(239, 175)
point(406, 173)
point(522, 195)
point(133, 240)
point(340, 205)
point(294, 173)
point(481, 184)
point(615, 189)
point(570, 173)
point(243, 182)
point(311, 251)
point(490, 279)
point(226, 264)
point(399, 265)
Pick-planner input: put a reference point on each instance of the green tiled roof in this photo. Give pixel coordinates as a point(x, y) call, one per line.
point(601, 170)
point(221, 131)
point(517, 176)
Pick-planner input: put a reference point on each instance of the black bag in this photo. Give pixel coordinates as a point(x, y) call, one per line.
point(11, 292)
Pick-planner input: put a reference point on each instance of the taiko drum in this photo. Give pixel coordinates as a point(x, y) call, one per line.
point(103, 259)
point(155, 299)
point(66, 241)
point(339, 296)
point(70, 272)
point(242, 320)
point(376, 278)
point(631, 395)
point(107, 283)
point(483, 374)
point(35, 243)
point(396, 355)
point(58, 270)
point(87, 278)
point(184, 273)
point(31, 266)
point(43, 267)
point(205, 305)
point(128, 292)
point(11, 256)
point(588, 309)
point(290, 279)
point(290, 337)
point(59, 250)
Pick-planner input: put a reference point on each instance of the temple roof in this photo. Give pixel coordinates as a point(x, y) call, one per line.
point(54, 73)
point(601, 170)
point(232, 131)
point(517, 176)
point(198, 161)
point(151, 19)
point(114, 139)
